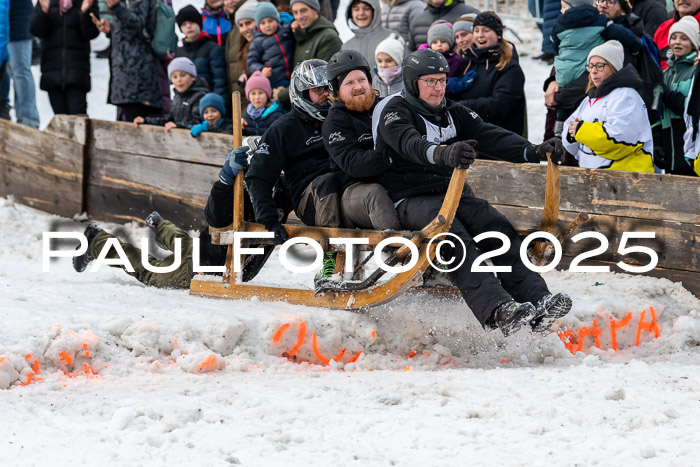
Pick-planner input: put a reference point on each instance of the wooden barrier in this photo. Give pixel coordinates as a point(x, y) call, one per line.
point(118, 173)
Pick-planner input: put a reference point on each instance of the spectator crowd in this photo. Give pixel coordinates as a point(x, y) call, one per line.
point(621, 93)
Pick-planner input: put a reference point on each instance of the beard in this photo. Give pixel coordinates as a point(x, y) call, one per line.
point(361, 105)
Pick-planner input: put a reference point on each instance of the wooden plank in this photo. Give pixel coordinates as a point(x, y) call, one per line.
point(41, 169)
point(147, 140)
point(609, 192)
point(68, 127)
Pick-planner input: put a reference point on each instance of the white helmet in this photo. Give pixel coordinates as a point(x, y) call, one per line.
point(307, 75)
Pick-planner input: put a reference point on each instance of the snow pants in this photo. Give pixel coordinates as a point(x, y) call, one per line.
point(482, 291)
point(368, 206)
point(166, 233)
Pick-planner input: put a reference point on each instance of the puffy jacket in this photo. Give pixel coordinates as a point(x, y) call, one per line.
point(209, 60)
point(498, 96)
point(367, 39)
point(133, 66)
point(275, 51)
point(185, 110)
point(4, 30)
point(383, 88)
point(397, 15)
point(691, 145)
point(65, 61)
point(614, 132)
point(652, 12)
point(20, 19)
point(661, 36)
point(216, 25)
point(550, 13)
point(449, 11)
point(258, 126)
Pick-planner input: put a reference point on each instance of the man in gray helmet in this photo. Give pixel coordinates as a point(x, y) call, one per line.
point(427, 137)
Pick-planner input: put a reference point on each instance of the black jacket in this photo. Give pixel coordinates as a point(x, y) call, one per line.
point(402, 132)
point(652, 12)
point(348, 139)
point(185, 109)
point(65, 61)
point(293, 144)
point(498, 96)
point(209, 60)
point(20, 18)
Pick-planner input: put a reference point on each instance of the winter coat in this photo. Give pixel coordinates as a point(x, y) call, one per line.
point(260, 125)
point(386, 89)
point(614, 132)
point(454, 60)
point(398, 14)
point(652, 13)
point(691, 146)
point(348, 139)
point(668, 132)
point(209, 61)
point(133, 66)
point(185, 109)
point(234, 67)
point(408, 137)
point(576, 32)
point(275, 51)
point(293, 144)
point(661, 36)
point(367, 39)
point(65, 61)
point(20, 19)
point(550, 13)
point(216, 25)
point(498, 96)
point(449, 11)
point(4, 31)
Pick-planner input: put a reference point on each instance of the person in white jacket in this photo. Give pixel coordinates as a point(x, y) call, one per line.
point(610, 129)
point(691, 140)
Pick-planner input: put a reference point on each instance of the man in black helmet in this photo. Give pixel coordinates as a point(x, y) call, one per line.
point(427, 137)
point(347, 133)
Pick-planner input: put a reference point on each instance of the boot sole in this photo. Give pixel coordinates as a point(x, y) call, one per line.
point(558, 309)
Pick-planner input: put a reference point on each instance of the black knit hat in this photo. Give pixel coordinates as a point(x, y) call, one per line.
point(188, 13)
point(491, 21)
point(626, 6)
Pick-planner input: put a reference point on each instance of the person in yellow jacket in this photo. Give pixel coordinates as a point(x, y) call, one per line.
point(610, 129)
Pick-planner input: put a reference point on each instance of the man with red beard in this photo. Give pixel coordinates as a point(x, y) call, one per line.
point(347, 134)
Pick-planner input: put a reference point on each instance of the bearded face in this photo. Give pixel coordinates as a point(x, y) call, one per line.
point(356, 93)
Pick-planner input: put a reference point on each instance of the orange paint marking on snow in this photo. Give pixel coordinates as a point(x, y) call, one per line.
point(210, 363)
point(300, 339)
point(567, 337)
point(615, 325)
point(354, 358)
point(84, 346)
point(314, 346)
point(650, 326)
point(584, 331)
point(339, 356)
point(280, 332)
point(374, 334)
point(175, 342)
point(412, 354)
point(408, 368)
point(34, 362)
point(66, 359)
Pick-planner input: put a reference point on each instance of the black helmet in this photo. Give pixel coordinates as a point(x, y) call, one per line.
point(342, 63)
point(419, 63)
point(307, 75)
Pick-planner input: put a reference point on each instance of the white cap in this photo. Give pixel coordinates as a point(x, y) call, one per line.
point(611, 51)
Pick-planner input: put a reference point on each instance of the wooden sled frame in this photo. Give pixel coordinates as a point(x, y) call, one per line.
point(376, 294)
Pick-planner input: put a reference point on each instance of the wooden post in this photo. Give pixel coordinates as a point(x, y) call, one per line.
point(238, 194)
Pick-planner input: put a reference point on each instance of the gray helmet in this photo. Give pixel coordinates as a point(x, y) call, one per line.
point(342, 63)
point(419, 63)
point(307, 75)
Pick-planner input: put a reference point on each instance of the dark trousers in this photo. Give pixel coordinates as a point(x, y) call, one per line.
point(482, 291)
point(71, 101)
point(128, 112)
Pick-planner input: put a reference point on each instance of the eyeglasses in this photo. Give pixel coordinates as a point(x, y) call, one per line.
point(597, 66)
point(432, 82)
point(609, 2)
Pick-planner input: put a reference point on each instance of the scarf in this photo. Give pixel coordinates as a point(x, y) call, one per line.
point(253, 113)
point(64, 5)
point(694, 103)
point(389, 75)
point(422, 107)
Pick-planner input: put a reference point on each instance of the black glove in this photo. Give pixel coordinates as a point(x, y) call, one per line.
point(280, 234)
point(554, 147)
point(457, 155)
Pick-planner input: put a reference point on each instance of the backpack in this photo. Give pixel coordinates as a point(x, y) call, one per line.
point(652, 78)
point(164, 38)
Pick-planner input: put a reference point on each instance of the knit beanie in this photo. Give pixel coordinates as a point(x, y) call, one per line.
point(491, 21)
point(611, 51)
point(626, 6)
point(246, 11)
point(687, 25)
point(182, 64)
point(574, 3)
point(266, 10)
point(188, 13)
point(392, 46)
point(464, 23)
point(441, 29)
point(312, 3)
point(212, 100)
point(258, 81)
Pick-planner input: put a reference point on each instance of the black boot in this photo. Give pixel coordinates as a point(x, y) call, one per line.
point(510, 316)
point(550, 308)
point(152, 222)
point(80, 263)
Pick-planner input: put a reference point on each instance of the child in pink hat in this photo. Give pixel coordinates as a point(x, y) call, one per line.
point(262, 110)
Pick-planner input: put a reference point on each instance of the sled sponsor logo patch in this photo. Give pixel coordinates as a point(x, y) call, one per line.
point(335, 137)
point(314, 139)
point(264, 148)
point(364, 137)
point(391, 117)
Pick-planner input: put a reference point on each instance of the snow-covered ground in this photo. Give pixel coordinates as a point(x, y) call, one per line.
point(97, 369)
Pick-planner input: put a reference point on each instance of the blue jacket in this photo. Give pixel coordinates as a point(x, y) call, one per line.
point(21, 12)
point(268, 117)
point(216, 25)
point(275, 51)
point(209, 60)
point(576, 32)
point(4, 30)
